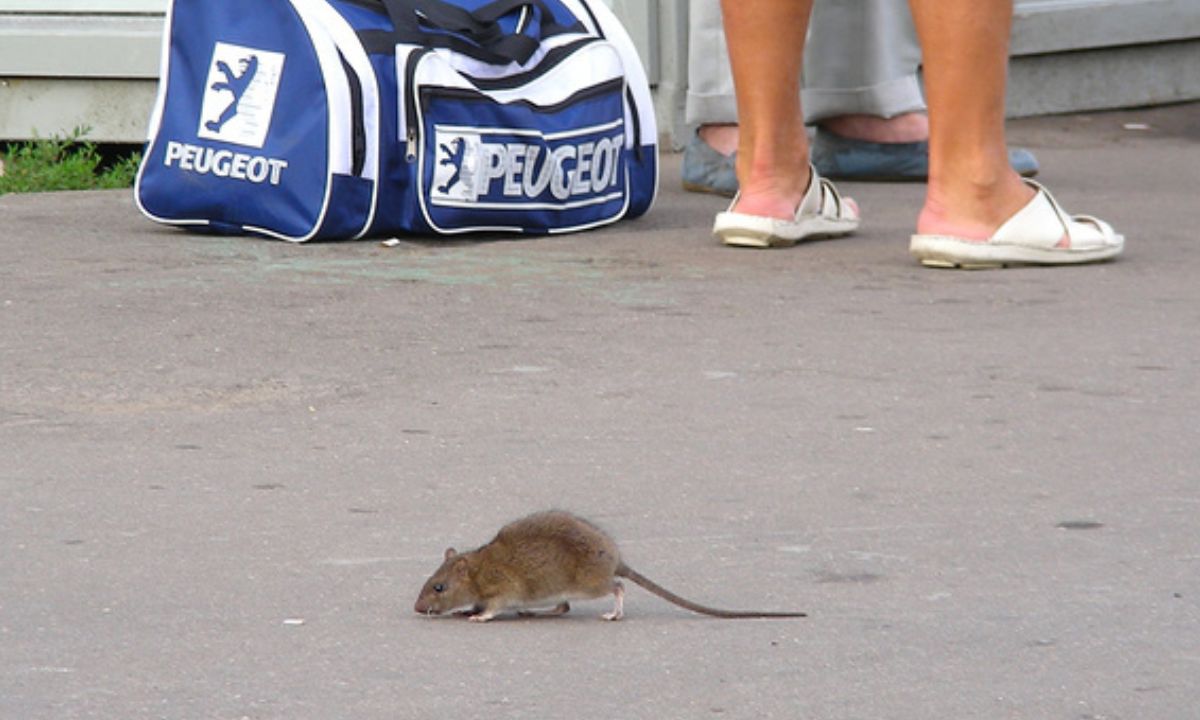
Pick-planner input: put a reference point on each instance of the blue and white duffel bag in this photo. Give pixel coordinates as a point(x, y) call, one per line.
point(332, 119)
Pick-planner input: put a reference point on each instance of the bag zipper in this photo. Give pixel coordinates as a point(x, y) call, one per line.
point(358, 129)
point(636, 131)
point(410, 106)
point(600, 89)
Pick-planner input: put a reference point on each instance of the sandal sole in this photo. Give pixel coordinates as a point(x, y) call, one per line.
point(947, 252)
point(761, 238)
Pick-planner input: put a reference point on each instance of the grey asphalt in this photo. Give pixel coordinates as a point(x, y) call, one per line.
point(227, 465)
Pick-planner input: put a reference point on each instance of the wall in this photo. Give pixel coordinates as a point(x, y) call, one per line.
point(65, 63)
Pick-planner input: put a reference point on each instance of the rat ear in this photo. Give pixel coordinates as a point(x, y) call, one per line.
point(450, 552)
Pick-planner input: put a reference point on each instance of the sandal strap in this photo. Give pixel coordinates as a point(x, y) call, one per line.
point(1064, 218)
point(1070, 223)
point(828, 192)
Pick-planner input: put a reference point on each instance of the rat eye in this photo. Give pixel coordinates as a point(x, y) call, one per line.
point(439, 588)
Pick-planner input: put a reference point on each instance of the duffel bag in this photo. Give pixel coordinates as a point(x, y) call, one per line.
point(332, 119)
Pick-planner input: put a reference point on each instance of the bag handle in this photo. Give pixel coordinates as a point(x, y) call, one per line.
point(483, 37)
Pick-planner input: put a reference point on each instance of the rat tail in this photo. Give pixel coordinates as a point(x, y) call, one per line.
point(625, 571)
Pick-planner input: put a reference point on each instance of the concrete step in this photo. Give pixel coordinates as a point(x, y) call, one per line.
point(1074, 55)
point(1104, 78)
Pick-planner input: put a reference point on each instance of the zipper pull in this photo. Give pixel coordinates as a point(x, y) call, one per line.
point(411, 152)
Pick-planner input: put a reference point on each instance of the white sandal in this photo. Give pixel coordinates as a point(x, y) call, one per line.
point(822, 213)
point(1033, 236)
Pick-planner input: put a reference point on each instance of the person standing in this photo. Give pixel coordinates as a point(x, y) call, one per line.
point(977, 212)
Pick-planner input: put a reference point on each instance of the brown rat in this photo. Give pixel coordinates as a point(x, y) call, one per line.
point(548, 558)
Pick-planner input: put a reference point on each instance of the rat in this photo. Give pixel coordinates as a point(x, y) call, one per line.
point(542, 560)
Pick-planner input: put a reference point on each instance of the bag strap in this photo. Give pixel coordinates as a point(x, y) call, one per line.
point(476, 33)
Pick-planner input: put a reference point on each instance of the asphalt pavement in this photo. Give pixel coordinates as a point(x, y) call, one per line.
point(228, 464)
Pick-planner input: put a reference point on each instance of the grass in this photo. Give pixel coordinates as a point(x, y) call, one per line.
point(70, 163)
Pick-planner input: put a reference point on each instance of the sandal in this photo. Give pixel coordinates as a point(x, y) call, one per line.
point(1041, 233)
point(822, 214)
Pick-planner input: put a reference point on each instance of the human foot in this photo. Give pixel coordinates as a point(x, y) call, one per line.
point(1039, 232)
point(905, 128)
point(850, 147)
point(774, 196)
point(757, 220)
point(972, 210)
point(721, 137)
point(867, 148)
point(707, 170)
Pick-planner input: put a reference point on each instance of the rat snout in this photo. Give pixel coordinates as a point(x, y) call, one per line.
point(427, 606)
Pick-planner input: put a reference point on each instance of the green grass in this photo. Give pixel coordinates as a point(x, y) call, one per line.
point(70, 163)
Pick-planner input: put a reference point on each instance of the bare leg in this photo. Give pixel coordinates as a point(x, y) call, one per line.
point(972, 187)
point(618, 611)
point(766, 43)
